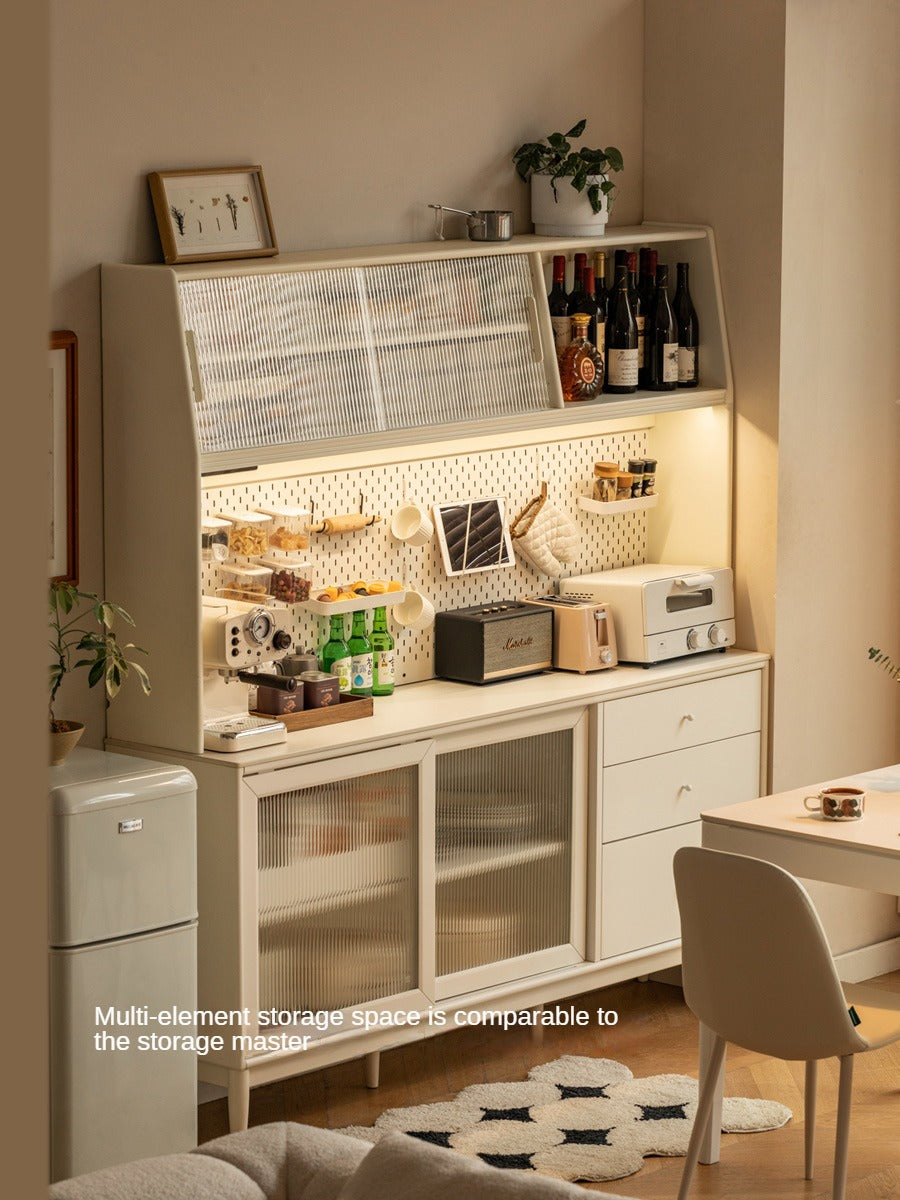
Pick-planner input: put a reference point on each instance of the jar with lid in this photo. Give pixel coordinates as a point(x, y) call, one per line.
point(249, 533)
point(246, 583)
point(290, 526)
point(291, 577)
point(214, 539)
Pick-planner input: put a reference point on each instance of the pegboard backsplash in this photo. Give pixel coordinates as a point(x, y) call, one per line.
point(513, 474)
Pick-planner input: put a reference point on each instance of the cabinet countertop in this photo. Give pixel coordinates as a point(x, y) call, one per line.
point(421, 710)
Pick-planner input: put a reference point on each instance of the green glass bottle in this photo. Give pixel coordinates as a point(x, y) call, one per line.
point(360, 657)
point(335, 656)
point(383, 655)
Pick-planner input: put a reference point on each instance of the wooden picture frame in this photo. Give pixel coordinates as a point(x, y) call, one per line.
point(63, 463)
point(209, 213)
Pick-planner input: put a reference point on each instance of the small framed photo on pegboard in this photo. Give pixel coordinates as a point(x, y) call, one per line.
point(473, 535)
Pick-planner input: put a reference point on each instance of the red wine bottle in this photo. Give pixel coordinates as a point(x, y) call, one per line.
point(581, 298)
point(688, 330)
point(662, 338)
point(637, 310)
point(621, 338)
point(558, 302)
point(646, 288)
point(601, 295)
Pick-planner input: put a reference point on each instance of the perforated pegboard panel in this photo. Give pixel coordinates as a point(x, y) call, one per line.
point(373, 553)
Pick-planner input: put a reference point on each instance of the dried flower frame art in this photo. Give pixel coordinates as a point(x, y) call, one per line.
point(212, 213)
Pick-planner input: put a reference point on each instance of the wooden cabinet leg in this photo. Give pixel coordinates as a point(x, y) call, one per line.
point(238, 1100)
point(372, 1063)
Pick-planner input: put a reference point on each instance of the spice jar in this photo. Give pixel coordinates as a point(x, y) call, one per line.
point(623, 485)
point(605, 481)
point(636, 467)
point(648, 487)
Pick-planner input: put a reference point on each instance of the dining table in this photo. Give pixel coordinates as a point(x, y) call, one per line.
point(861, 853)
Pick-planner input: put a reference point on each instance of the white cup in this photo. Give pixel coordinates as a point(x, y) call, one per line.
point(412, 524)
point(415, 611)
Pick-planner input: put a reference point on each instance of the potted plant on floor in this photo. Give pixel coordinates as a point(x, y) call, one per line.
point(81, 635)
point(580, 209)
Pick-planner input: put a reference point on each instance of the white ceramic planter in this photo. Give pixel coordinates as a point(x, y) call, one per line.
point(568, 213)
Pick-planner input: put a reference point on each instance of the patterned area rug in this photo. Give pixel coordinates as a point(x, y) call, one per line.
point(576, 1118)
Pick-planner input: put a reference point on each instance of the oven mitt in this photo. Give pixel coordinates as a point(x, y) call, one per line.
point(544, 536)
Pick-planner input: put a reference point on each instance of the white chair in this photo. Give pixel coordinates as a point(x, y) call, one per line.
point(758, 972)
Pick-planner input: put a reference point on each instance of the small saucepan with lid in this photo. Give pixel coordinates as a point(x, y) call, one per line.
point(485, 224)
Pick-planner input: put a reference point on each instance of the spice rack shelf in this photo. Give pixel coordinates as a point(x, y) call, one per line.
point(607, 508)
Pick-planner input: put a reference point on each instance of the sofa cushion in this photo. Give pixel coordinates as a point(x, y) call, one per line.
point(401, 1167)
point(166, 1178)
point(289, 1161)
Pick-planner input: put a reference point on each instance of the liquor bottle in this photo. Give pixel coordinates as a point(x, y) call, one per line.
point(558, 300)
point(383, 654)
point(621, 338)
point(637, 310)
point(601, 295)
point(688, 330)
point(335, 656)
point(360, 656)
point(581, 298)
point(581, 366)
point(646, 287)
point(662, 338)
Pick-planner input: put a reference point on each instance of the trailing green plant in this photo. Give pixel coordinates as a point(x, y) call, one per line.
point(884, 660)
point(555, 157)
point(82, 624)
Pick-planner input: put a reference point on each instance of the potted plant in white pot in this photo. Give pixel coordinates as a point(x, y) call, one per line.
point(81, 635)
point(580, 209)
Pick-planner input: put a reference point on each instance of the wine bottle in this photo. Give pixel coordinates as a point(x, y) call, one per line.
point(382, 653)
point(360, 656)
point(558, 301)
point(581, 366)
point(581, 298)
point(335, 656)
point(639, 314)
point(688, 330)
point(646, 287)
point(601, 295)
point(621, 338)
point(662, 338)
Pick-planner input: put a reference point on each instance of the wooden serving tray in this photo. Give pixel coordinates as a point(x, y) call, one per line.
point(349, 709)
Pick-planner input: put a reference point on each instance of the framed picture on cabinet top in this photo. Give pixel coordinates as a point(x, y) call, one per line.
point(63, 461)
point(209, 213)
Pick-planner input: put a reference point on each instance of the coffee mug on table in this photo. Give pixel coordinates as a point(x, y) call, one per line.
point(838, 803)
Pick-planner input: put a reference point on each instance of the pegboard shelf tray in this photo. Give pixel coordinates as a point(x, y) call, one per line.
point(606, 508)
point(334, 608)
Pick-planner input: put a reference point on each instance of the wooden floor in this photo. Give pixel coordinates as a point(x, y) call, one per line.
point(655, 1034)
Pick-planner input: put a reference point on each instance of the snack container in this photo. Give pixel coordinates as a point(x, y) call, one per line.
point(291, 577)
point(214, 539)
point(289, 530)
point(320, 690)
point(249, 533)
point(246, 583)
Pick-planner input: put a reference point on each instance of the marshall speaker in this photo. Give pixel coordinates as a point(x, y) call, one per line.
point(488, 642)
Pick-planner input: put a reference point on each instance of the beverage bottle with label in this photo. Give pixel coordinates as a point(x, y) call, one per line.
point(581, 298)
point(335, 655)
point(581, 366)
point(646, 288)
point(601, 295)
point(382, 654)
point(662, 338)
point(621, 338)
point(688, 330)
point(360, 656)
point(637, 311)
point(558, 301)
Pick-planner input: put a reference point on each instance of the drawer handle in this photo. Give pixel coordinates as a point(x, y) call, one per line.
point(688, 717)
point(686, 787)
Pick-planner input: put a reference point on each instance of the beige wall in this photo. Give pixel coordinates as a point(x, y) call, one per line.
point(782, 136)
point(361, 114)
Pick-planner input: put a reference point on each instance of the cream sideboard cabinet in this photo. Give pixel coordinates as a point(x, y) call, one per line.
point(464, 849)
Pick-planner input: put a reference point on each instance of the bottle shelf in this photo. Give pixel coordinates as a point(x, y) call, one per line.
point(607, 508)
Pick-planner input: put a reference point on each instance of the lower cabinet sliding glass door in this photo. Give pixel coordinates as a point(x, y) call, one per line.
point(510, 837)
point(339, 883)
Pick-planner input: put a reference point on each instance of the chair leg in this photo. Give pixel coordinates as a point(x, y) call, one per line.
point(842, 1138)
point(809, 1107)
point(704, 1111)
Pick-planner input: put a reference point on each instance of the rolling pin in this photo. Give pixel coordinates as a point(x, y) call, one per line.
point(345, 523)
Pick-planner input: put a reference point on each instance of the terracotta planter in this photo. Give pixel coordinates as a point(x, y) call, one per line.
point(568, 213)
point(64, 737)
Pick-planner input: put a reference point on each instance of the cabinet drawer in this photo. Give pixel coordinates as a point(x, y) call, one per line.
point(638, 904)
point(676, 717)
point(674, 788)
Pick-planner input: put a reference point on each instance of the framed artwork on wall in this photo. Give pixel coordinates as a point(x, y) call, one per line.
point(208, 213)
point(63, 473)
point(473, 535)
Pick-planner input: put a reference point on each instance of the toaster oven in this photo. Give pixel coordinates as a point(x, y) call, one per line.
point(662, 611)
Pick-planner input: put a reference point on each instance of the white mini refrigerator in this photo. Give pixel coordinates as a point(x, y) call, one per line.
point(123, 941)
